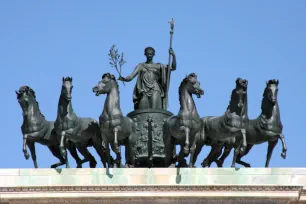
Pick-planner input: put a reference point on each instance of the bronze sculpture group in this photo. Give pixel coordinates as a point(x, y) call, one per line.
point(150, 133)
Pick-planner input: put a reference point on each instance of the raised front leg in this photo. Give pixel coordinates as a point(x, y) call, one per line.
point(284, 153)
point(24, 147)
point(31, 146)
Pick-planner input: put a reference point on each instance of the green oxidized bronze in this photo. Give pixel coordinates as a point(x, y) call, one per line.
point(150, 133)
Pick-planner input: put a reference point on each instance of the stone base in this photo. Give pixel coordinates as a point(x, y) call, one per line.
point(162, 185)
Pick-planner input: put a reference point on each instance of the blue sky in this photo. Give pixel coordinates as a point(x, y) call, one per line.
point(42, 41)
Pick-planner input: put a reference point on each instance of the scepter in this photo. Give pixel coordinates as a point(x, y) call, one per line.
point(169, 61)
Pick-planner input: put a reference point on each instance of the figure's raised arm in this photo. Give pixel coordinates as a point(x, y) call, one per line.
point(132, 76)
point(173, 66)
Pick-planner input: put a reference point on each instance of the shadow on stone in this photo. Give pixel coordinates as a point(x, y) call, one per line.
point(178, 176)
point(108, 173)
point(59, 171)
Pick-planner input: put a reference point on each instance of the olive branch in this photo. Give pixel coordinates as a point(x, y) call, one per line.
point(114, 60)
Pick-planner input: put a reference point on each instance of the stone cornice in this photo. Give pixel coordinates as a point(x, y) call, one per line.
point(162, 185)
point(150, 188)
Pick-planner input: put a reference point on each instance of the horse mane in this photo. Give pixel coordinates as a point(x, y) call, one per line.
point(264, 95)
point(67, 79)
point(239, 83)
point(111, 76)
point(27, 89)
point(272, 81)
point(242, 82)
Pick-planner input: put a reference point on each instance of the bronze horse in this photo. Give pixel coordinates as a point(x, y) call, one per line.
point(36, 128)
point(266, 128)
point(116, 129)
point(83, 132)
point(228, 126)
point(184, 128)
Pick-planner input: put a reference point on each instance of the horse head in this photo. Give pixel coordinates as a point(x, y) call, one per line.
point(192, 85)
point(239, 95)
point(105, 85)
point(271, 91)
point(67, 88)
point(25, 97)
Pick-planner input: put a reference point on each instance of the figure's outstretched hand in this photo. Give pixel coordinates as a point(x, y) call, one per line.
point(171, 52)
point(121, 78)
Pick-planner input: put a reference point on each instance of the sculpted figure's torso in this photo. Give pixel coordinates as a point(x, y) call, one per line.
point(150, 75)
point(151, 86)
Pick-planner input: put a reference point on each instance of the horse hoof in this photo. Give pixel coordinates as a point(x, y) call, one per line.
point(219, 164)
point(93, 164)
point(27, 156)
point(53, 166)
point(247, 166)
point(205, 163)
point(283, 155)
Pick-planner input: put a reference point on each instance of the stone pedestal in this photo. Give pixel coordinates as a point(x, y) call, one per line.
point(149, 149)
point(160, 185)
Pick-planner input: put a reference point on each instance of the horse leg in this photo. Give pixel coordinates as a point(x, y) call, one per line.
point(87, 156)
point(63, 148)
point(31, 146)
point(101, 150)
point(72, 149)
point(116, 147)
point(192, 151)
point(227, 150)
point(271, 146)
point(129, 152)
point(282, 138)
point(213, 155)
point(186, 147)
point(236, 153)
point(118, 155)
point(244, 142)
point(24, 147)
point(57, 153)
point(169, 150)
point(197, 150)
point(181, 158)
point(108, 155)
point(238, 161)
